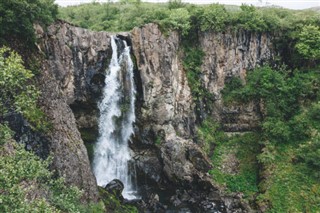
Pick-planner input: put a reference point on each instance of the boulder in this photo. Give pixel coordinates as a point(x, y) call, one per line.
point(115, 187)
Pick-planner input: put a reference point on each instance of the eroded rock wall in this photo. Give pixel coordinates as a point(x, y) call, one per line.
point(166, 116)
point(72, 75)
point(167, 99)
point(227, 55)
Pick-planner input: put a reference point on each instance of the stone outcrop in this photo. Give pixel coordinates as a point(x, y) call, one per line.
point(166, 115)
point(166, 96)
point(227, 55)
point(72, 75)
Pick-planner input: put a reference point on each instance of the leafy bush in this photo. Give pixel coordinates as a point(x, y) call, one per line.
point(175, 4)
point(179, 19)
point(250, 18)
point(308, 44)
point(17, 93)
point(28, 186)
point(5, 133)
point(310, 153)
point(214, 17)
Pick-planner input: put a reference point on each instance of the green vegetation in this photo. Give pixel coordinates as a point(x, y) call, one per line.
point(308, 44)
point(210, 134)
point(113, 204)
point(23, 176)
point(289, 136)
point(18, 94)
point(179, 16)
point(89, 137)
point(192, 62)
point(18, 17)
point(235, 164)
point(233, 158)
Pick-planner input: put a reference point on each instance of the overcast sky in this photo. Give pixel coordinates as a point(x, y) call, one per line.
point(293, 4)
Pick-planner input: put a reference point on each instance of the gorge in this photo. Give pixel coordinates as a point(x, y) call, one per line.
point(165, 155)
point(139, 107)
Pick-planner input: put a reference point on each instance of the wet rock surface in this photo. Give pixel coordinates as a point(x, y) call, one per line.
point(115, 187)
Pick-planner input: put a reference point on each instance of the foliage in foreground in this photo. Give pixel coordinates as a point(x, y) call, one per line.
point(28, 186)
point(18, 93)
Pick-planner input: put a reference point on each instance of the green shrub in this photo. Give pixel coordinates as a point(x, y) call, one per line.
point(175, 4)
point(17, 93)
point(215, 17)
point(179, 19)
point(28, 186)
point(250, 18)
point(308, 44)
point(310, 153)
point(5, 133)
point(209, 134)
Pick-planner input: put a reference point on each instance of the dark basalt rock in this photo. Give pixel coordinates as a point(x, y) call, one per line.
point(115, 187)
point(33, 140)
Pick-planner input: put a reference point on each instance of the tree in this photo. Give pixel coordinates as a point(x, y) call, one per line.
point(18, 17)
point(309, 42)
point(179, 19)
point(175, 4)
point(250, 19)
point(214, 17)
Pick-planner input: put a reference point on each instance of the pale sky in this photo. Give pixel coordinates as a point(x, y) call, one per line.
point(292, 4)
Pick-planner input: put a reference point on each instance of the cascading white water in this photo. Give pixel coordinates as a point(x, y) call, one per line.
point(117, 115)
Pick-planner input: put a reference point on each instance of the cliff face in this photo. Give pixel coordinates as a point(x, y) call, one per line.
point(167, 115)
point(72, 79)
point(227, 55)
point(72, 75)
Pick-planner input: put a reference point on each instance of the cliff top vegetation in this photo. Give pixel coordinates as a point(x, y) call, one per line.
point(125, 15)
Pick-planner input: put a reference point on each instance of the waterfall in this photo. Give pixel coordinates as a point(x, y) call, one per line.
point(117, 115)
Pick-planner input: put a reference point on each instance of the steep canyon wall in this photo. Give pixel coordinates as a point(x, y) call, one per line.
point(72, 79)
